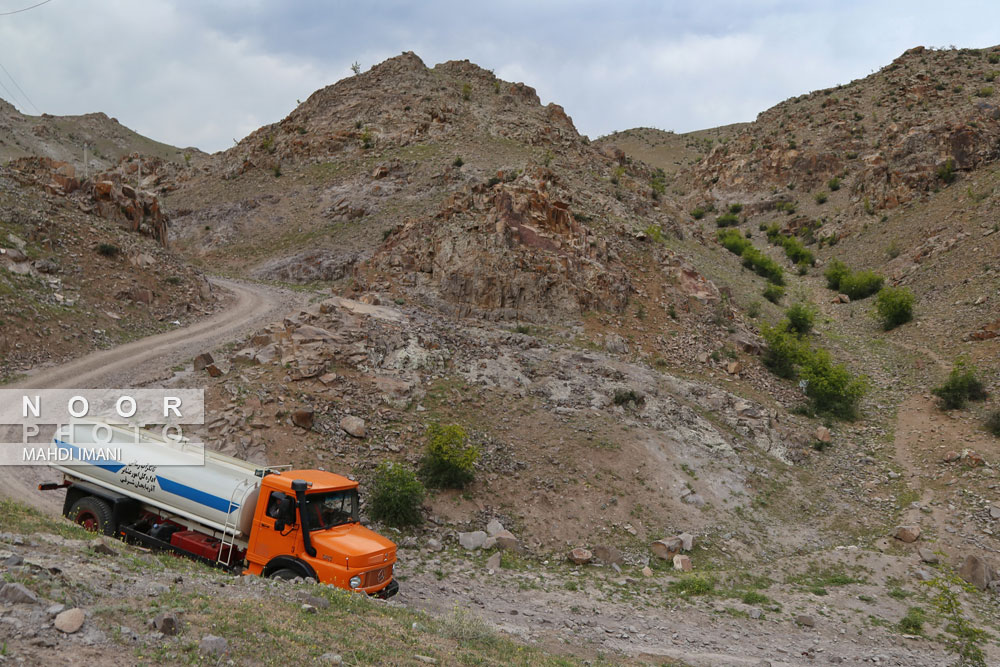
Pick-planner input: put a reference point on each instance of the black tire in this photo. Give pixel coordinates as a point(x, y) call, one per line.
point(93, 514)
point(285, 573)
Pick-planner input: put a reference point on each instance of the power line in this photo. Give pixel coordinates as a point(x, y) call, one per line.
point(10, 94)
point(18, 11)
point(18, 86)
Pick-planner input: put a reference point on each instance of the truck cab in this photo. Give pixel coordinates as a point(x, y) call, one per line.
point(306, 525)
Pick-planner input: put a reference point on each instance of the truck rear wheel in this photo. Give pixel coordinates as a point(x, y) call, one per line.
point(93, 514)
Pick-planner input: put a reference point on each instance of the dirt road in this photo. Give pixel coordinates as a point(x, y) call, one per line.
point(131, 365)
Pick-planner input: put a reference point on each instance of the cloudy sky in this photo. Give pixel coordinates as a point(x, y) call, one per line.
point(191, 72)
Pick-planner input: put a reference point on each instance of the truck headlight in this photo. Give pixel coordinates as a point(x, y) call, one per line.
point(355, 582)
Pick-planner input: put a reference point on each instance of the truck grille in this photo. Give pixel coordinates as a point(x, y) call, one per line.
point(376, 577)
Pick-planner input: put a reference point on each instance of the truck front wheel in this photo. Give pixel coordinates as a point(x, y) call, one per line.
point(93, 514)
point(285, 573)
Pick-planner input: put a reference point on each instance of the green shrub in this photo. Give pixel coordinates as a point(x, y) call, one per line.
point(993, 423)
point(861, 284)
point(466, 91)
point(458, 162)
point(946, 172)
point(913, 622)
point(395, 495)
point(993, 58)
point(763, 265)
point(961, 387)
point(833, 184)
point(773, 293)
point(895, 306)
point(795, 251)
point(108, 249)
point(786, 206)
point(800, 318)
point(450, 460)
point(693, 585)
point(732, 241)
point(753, 309)
point(628, 396)
point(831, 388)
point(727, 220)
point(985, 91)
point(698, 213)
point(784, 350)
point(655, 233)
point(735, 208)
point(835, 272)
point(821, 197)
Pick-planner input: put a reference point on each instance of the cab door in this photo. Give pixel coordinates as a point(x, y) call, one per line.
point(266, 540)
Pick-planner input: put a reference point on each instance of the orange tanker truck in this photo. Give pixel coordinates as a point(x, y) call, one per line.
point(226, 512)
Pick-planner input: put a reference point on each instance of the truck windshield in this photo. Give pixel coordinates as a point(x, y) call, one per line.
point(335, 508)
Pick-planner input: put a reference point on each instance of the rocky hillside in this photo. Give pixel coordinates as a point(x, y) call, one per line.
point(671, 152)
point(83, 266)
point(446, 183)
point(62, 138)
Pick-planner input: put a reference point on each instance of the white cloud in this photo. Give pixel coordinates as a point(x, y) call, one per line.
point(203, 74)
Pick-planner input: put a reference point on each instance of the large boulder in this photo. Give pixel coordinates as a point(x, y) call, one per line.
point(472, 541)
point(666, 548)
point(354, 426)
point(977, 572)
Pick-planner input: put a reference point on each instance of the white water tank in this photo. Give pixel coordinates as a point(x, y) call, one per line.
point(209, 488)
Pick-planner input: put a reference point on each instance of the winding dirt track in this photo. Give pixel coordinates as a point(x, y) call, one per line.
point(140, 361)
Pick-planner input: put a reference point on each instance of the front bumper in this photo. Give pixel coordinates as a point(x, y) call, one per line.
point(388, 591)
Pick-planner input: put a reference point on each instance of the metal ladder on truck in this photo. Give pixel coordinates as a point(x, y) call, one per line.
point(229, 529)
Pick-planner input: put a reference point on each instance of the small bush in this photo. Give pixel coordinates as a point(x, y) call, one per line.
point(753, 597)
point(108, 249)
point(693, 585)
point(655, 233)
point(773, 293)
point(913, 622)
point(628, 396)
point(698, 213)
point(753, 309)
point(961, 387)
point(458, 162)
point(993, 58)
point(833, 184)
point(835, 273)
point(993, 423)
point(946, 172)
point(466, 92)
point(821, 197)
point(831, 388)
point(895, 306)
point(395, 495)
point(800, 318)
point(784, 350)
point(795, 251)
point(732, 241)
point(763, 265)
point(985, 91)
point(861, 284)
point(786, 206)
point(449, 462)
point(735, 208)
point(727, 220)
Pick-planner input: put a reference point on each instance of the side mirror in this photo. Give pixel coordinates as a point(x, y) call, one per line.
point(286, 513)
